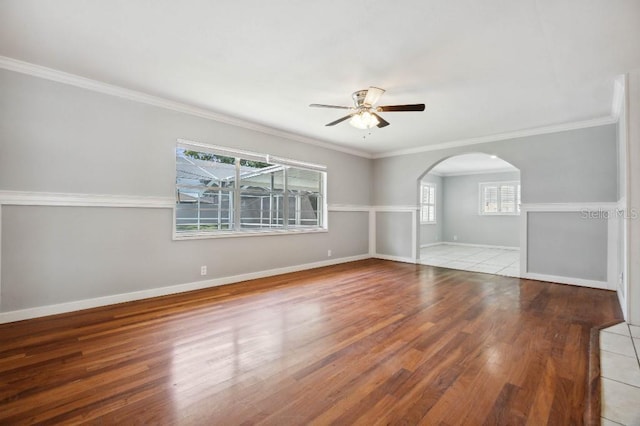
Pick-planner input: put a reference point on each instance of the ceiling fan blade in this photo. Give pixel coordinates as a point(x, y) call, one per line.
point(328, 106)
point(339, 120)
point(373, 94)
point(412, 107)
point(382, 122)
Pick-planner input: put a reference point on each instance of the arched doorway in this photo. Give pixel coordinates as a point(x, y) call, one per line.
point(469, 215)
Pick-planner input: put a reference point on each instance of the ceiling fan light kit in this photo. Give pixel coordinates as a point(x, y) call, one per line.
point(363, 114)
point(364, 120)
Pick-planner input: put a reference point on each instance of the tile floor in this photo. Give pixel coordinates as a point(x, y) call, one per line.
point(476, 259)
point(620, 375)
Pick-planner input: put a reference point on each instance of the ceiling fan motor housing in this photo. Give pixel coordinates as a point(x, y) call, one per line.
point(358, 98)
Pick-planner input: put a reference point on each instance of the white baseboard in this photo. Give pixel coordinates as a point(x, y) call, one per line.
point(77, 305)
point(431, 244)
point(623, 302)
point(394, 258)
point(480, 245)
point(603, 285)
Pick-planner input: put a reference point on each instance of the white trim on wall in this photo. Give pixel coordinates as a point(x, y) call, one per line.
point(523, 239)
point(618, 100)
point(480, 172)
point(622, 288)
point(565, 280)
point(372, 232)
point(414, 232)
point(89, 200)
point(396, 208)
point(372, 228)
point(348, 208)
point(502, 136)
point(395, 258)
point(526, 208)
point(0, 254)
point(568, 207)
point(612, 253)
point(449, 243)
point(133, 95)
point(415, 254)
point(46, 73)
point(41, 311)
point(437, 243)
point(25, 198)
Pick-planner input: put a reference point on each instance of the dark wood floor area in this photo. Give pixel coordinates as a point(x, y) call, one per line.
point(370, 342)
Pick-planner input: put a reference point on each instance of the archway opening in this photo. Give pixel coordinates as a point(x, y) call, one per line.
point(470, 215)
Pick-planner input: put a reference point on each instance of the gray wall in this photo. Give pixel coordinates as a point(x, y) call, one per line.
point(564, 167)
point(432, 233)
point(549, 248)
point(461, 217)
point(59, 138)
point(393, 234)
point(633, 194)
point(575, 166)
point(63, 139)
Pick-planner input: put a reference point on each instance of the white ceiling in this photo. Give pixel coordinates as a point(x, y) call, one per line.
point(481, 67)
point(472, 163)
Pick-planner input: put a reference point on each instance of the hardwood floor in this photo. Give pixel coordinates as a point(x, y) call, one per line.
point(370, 342)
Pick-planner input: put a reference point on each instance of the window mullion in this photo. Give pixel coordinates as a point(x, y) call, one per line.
point(236, 196)
point(272, 199)
point(285, 200)
point(199, 198)
point(214, 179)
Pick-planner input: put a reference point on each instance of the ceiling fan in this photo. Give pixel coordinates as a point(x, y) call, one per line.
point(364, 113)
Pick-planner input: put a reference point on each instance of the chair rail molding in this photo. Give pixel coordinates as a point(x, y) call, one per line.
point(606, 208)
point(27, 198)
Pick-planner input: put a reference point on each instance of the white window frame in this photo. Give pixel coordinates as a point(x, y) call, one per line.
point(481, 199)
point(239, 232)
point(425, 204)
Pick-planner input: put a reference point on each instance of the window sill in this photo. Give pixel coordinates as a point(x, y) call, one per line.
point(428, 223)
point(248, 233)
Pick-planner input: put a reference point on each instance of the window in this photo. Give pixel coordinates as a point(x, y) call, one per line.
point(498, 198)
point(427, 202)
point(220, 191)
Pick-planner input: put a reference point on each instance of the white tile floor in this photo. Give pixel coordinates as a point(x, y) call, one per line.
point(620, 374)
point(476, 259)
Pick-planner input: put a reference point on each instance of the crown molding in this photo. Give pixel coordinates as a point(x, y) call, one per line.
point(113, 90)
point(502, 136)
point(133, 95)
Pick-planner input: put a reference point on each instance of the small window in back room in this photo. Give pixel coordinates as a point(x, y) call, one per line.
point(500, 198)
point(427, 203)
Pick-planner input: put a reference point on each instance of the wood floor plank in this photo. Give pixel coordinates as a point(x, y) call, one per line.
point(369, 342)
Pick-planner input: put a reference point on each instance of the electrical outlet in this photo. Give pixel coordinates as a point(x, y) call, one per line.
point(203, 270)
point(329, 253)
